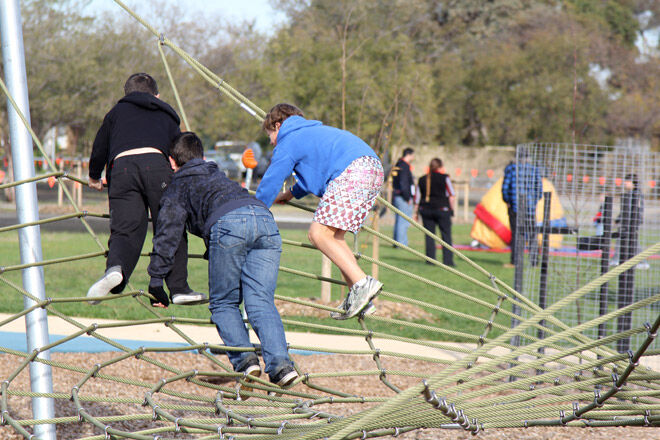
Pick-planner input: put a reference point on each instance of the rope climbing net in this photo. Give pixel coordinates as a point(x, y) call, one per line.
point(554, 375)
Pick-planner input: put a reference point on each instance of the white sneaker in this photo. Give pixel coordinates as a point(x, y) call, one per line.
point(358, 298)
point(370, 309)
point(642, 265)
point(189, 299)
point(105, 284)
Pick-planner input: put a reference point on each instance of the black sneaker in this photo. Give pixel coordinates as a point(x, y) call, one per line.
point(285, 376)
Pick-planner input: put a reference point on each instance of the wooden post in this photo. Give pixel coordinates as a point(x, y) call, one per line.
point(375, 244)
point(79, 198)
point(60, 191)
point(326, 267)
point(466, 200)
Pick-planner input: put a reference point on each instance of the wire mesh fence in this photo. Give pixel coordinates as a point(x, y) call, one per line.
point(582, 210)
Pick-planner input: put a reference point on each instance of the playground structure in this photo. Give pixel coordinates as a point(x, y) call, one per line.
point(610, 212)
point(559, 374)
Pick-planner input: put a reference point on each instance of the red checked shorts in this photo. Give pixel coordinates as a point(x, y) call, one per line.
point(351, 195)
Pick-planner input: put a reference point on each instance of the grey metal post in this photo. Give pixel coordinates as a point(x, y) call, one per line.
point(13, 57)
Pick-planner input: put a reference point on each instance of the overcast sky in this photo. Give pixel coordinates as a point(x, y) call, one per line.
point(258, 10)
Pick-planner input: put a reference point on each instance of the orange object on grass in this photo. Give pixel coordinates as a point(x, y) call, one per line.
point(248, 159)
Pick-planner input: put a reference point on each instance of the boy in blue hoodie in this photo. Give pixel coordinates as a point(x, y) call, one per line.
point(244, 247)
point(344, 172)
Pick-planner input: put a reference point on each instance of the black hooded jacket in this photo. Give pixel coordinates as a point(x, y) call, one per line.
point(198, 195)
point(137, 120)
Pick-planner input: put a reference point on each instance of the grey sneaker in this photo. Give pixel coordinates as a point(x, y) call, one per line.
point(105, 284)
point(358, 298)
point(343, 306)
point(189, 299)
point(368, 310)
point(362, 294)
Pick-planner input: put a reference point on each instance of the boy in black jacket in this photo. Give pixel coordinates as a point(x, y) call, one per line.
point(133, 143)
point(244, 247)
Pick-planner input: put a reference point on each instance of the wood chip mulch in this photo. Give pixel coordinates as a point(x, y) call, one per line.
point(150, 375)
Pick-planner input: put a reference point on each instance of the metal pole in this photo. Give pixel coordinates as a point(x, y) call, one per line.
point(36, 322)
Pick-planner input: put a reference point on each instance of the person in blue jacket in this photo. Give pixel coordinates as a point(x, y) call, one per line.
point(344, 172)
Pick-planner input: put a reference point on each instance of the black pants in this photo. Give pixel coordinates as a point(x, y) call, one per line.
point(431, 218)
point(628, 248)
point(136, 185)
point(527, 234)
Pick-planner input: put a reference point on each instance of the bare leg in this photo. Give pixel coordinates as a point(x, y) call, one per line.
point(331, 242)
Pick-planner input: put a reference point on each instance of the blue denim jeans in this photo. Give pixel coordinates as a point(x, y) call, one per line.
point(244, 257)
point(400, 224)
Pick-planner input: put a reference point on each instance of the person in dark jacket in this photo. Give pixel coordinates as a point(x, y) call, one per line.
point(132, 144)
point(244, 247)
point(403, 193)
point(522, 185)
point(436, 207)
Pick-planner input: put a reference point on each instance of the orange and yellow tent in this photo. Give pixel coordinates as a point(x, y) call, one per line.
point(491, 223)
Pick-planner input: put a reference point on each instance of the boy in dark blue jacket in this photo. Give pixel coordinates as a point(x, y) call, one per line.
point(244, 247)
point(133, 143)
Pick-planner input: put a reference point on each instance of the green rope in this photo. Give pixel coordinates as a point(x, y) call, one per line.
point(477, 393)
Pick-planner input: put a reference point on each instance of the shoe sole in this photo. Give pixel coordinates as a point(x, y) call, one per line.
point(288, 378)
point(366, 302)
point(370, 309)
point(103, 286)
point(241, 389)
point(190, 300)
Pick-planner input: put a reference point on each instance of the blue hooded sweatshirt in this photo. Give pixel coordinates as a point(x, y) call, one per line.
point(317, 153)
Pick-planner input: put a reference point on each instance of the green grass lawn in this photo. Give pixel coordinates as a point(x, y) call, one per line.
point(72, 279)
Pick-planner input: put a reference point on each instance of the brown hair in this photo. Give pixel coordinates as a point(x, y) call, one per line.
point(434, 165)
point(186, 146)
point(279, 114)
point(141, 82)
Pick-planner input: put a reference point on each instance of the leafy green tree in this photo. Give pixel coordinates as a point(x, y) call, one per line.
point(354, 64)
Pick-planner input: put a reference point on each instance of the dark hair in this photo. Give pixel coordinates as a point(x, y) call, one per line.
point(279, 114)
point(435, 164)
point(141, 82)
point(185, 147)
point(407, 151)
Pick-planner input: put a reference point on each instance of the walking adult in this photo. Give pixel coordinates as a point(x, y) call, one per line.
point(436, 207)
point(522, 188)
point(403, 192)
